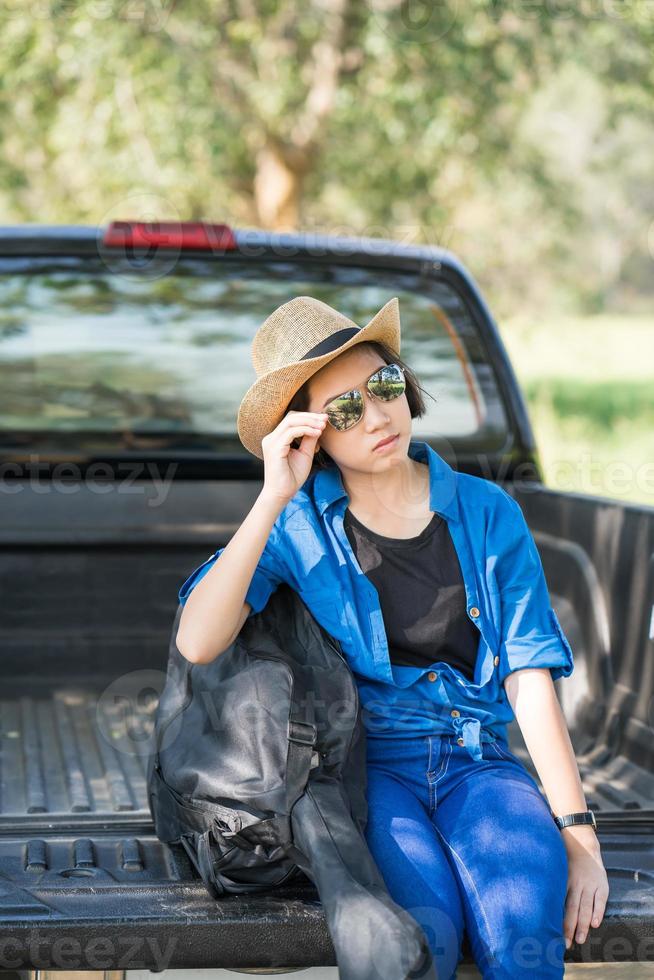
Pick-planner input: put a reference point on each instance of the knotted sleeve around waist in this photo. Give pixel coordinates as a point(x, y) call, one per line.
point(469, 729)
point(530, 632)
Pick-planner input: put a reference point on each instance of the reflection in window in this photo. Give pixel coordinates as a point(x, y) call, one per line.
point(98, 352)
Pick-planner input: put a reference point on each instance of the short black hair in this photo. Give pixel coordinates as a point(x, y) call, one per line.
point(417, 407)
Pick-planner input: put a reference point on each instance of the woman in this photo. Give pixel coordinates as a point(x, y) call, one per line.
point(432, 583)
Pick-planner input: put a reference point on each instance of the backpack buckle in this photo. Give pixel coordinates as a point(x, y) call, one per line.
point(302, 733)
point(235, 837)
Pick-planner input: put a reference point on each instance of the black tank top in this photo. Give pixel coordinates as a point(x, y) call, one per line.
point(421, 593)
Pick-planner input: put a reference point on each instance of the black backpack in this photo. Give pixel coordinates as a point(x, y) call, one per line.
point(259, 772)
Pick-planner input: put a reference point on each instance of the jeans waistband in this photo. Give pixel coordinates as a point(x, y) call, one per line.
point(468, 729)
point(484, 736)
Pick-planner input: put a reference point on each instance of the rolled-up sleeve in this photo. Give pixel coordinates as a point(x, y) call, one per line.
point(530, 634)
point(271, 570)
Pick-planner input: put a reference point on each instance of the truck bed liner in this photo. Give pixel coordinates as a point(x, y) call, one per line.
point(60, 757)
point(80, 864)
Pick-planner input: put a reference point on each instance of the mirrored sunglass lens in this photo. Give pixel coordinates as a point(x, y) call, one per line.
point(388, 383)
point(345, 410)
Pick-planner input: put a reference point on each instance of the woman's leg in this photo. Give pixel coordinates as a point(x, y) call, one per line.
point(409, 854)
point(511, 863)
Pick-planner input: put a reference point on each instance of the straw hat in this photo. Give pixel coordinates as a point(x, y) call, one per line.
point(295, 341)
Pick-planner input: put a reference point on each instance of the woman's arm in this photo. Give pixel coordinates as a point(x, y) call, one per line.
point(214, 606)
point(537, 710)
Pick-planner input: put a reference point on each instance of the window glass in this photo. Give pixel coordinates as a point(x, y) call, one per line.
point(88, 350)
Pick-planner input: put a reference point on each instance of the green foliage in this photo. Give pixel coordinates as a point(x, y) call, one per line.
point(517, 135)
point(588, 386)
point(601, 404)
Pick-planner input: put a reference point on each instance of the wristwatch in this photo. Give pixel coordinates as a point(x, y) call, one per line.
point(573, 819)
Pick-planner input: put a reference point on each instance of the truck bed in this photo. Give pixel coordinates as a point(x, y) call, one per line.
point(58, 760)
point(78, 850)
point(78, 853)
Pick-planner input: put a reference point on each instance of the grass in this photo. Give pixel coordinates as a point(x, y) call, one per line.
point(589, 386)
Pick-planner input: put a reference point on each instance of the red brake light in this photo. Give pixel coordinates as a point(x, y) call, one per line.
point(169, 234)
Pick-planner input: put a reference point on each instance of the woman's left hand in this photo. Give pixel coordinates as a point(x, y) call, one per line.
point(588, 884)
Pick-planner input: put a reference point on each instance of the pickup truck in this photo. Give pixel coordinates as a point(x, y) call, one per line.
point(124, 353)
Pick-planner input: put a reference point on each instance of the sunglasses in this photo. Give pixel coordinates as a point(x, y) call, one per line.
point(346, 410)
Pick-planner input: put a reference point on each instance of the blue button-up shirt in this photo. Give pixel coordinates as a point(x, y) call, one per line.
point(506, 598)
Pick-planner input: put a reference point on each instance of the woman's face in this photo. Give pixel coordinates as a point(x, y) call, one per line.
point(355, 447)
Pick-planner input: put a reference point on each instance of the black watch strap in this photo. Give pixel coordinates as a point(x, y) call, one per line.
point(574, 819)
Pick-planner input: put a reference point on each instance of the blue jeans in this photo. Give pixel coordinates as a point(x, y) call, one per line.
point(466, 844)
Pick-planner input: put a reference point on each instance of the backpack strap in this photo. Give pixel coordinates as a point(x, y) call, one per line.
point(302, 737)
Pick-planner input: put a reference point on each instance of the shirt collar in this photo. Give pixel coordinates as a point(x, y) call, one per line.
point(443, 499)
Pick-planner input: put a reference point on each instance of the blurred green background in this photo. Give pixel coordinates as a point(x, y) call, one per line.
point(519, 135)
point(588, 381)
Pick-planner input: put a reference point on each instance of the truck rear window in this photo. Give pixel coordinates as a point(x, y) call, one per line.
point(114, 360)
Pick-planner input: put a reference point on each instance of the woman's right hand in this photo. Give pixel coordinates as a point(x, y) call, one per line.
point(286, 469)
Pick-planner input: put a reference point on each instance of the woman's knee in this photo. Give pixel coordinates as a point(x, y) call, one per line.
point(512, 867)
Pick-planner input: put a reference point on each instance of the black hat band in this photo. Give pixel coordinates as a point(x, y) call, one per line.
point(332, 342)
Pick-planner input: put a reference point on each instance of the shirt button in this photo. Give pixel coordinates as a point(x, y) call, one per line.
point(474, 612)
point(496, 661)
point(460, 741)
point(432, 675)
point(455, 713)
